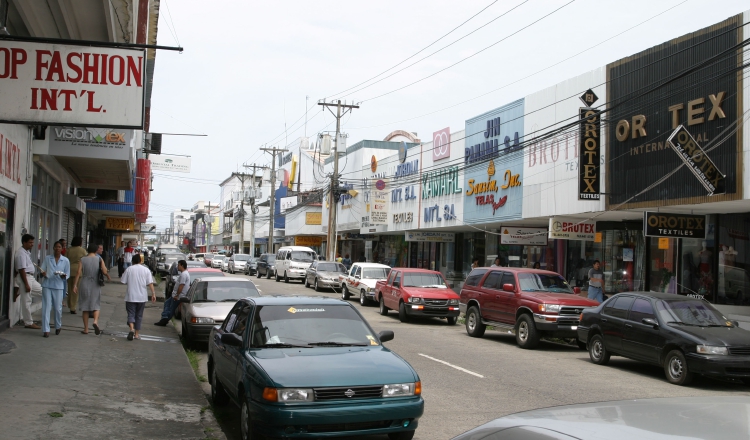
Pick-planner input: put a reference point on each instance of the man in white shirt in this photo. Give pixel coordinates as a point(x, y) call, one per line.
point(181, 287)
point(137, 277)
point(25, 280)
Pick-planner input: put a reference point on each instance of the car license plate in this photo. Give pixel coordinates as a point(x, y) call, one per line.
point(574, 327)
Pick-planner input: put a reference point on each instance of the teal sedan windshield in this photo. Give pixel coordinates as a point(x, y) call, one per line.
point(309, 325)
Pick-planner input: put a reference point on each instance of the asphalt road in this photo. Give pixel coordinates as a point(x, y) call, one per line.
point(469, 381)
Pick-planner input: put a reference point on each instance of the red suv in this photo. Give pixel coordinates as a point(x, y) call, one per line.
point(533, 303)
point(417, 292)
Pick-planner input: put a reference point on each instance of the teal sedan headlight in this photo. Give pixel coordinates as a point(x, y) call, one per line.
point(711, 349)
point(295, 395)
point(399, 389)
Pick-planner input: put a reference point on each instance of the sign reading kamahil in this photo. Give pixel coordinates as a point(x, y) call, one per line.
point(121, 223)
point(571, 229)
point(685, 145)
point(313, 218)
point(661, 224)
point(440, 237)
point(56, 84)
point(523, 236)
point(303, 240)
point(165, 162)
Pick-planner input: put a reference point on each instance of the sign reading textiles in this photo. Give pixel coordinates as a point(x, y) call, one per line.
point(524, 236)
point(56, 84)
point(302, 240)
point(121, 223)
point(589, 157)
point(571, 229)
point(661, 224)
point(313, 218)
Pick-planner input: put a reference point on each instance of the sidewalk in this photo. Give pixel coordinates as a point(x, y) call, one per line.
point(102, 387)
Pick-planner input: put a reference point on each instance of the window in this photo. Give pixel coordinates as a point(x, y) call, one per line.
point(375, 273)
point(493, 281)
point(331, 267)
point(242, 316)
point(390, 278)
point(228, 325)
point(314, 265)
point(223, 291)
point(541, 282)
point(423, 280)
point(508, 278)
point(641, 309)
point(621, 306)
point(397, 281)
point(358, 271)
point(475, 276)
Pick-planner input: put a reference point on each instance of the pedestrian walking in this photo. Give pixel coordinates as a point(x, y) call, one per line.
point(596, 282)
point(120, 254)
point(180, 289)
point(137, 277)
point(347, 262)
point(88, 289)
point(25, 279)
point(75, 253)
point(56, 271)
point(127, 256)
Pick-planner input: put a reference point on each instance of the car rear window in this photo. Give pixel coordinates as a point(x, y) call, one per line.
point(224, 291)
point(474, 277)
point(493, 281)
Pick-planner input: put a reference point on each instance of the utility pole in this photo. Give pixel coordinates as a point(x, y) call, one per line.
point(272, 206)
point(242, 177)
point(252, 209)
point(331, 247)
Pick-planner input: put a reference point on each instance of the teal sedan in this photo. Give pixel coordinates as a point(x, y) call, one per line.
point(302, 367)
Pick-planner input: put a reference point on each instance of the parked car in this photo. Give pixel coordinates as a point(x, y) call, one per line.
point(324, 275)
point(653, 419)
point(217, 260)
point(311, 367)
point(266, 265)
point(533, 303)
point(361, 279)
point(237, 262)
point(685, 336)
point(199, 257)
point(207, 259)
point(208, 302)
point(417, 292)
point(225, 264)
point(293, 261)
point(251, 266)
point(166, 260)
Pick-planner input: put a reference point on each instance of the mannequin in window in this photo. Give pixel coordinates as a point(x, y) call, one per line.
point(729, 256)
point(705, 258)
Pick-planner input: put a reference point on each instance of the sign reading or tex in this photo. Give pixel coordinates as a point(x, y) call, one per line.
point(121, 223)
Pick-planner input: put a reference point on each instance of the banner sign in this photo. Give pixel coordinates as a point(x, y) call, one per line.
point(589, 157)
point(685, 145)
point(57, 84)
point(313, 218)
point(571, 229)
point(440, 237)
point(661, 224)
point(166, 162)
point(121, 223)
point(89, 142)
point(524, 236)
point(379, 207)
point(302, 240)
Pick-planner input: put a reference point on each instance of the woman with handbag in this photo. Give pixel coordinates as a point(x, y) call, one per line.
point(91, 273)
point(56, 271)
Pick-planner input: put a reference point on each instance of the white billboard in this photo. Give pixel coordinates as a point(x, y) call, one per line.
point(90, 142)
point(287, 203)
point(523, 236)
point(571, 229)
point(57, 84)
point(166, 162)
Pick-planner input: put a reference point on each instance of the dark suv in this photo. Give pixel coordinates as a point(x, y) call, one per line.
point(533, 303)
point(266, 265)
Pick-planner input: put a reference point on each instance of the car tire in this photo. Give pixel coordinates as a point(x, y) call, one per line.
point(307, 283)
point(219, 396)
point(246, 426)
point(317, 288)
point(277, 277)
point(452, 320)
point(403, 435)
point(598, 353)
point(527, 336)
point(286, 277)
point(474, 326)
point(345, 293)
point(383, 308)
point(363, 300)
point(268, 274)
point(178, 312)
point(257, 273)
point(581, 344)
point(402, 315)
point(676, 368)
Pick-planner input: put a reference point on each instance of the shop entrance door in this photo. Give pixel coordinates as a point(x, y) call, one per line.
point(6, 256)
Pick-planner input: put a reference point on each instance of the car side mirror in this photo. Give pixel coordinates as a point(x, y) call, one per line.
point(396, 284)
point(231, 339)
point(577, 290)
point(650, 321)
point(357, 276)
point(185, 300)
point(509, 288)
point(735, 323)
point(385, 335)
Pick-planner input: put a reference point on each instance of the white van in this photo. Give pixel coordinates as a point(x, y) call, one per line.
point(293, 261)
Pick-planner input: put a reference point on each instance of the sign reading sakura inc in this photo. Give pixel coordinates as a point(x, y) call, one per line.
point(165, 162)
point(55, 84)
point(571, 229)
point(441, 144)
point(524, 236)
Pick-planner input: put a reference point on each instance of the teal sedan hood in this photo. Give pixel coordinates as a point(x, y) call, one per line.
point(332, 367)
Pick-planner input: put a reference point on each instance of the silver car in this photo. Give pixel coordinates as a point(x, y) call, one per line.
point(217, 260)
point(208, 302)
point(324, 275)
point(237, 263)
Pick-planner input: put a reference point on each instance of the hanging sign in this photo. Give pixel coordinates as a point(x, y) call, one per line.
point(166, 162)
point(589, 157)
point(121, 223)
point(523, 236)
point(302, 240)
point(685, 145)
point(440, 237)
point(571, 229)
point(661, 224)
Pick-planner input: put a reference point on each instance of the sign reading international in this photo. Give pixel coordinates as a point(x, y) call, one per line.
point(661, 224)
point(121, 223)
point(572, 229)
point(523, 236)
point(589, 157)
point(685, 145)
point(57, 84)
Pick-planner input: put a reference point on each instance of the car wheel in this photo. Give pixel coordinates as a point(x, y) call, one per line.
point(246, 428)
point(363, 301)
point(526, 334)
point(581, 345)
point(452, 320)
point(404, 435)
point(218, 395)
point(307, 283)
point(178, 312)
point(402, 316)
point(676, 368)
point(383, 308)
point(345, 293)
point(257, 273)
point(268, 274)
point(597, 351)
point(317, 288)
point(474, 326)
point(286, 277)
point(277, 277)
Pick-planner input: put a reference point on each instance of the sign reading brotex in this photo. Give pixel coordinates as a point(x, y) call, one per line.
point(660, 224)
point(571, 229)
point(56, 84)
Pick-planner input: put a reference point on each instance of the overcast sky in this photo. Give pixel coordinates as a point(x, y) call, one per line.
point(248, 67)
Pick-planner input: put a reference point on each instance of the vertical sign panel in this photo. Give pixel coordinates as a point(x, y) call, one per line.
point(589, 157)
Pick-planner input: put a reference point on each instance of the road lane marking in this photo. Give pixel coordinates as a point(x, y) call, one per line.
point(452, 366)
